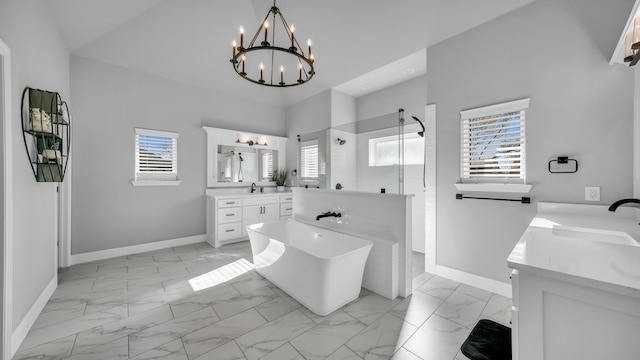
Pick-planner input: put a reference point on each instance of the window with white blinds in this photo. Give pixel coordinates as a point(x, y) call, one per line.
point(493, 143)
point(156, 155)
point(309, 160)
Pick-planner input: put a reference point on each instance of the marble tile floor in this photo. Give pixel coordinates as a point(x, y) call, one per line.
point(144, 306)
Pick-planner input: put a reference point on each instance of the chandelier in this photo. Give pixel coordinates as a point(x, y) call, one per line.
point(269, 63)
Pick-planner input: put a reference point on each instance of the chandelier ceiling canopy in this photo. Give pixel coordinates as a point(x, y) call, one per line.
point(265, 61)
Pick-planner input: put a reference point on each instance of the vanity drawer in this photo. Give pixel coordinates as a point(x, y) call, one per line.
point(286, 198)
point(286, 209)
point(229, 231)
point(227, 215)
point(260, 200)
point(222, 203)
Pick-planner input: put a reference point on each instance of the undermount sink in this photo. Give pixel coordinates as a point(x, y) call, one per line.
point(611, 237)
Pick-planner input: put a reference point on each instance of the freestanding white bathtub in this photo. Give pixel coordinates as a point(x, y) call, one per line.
point(320, 268)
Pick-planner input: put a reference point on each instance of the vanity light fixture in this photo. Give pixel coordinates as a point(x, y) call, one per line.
point(251, 142)
point(632, 43)
point(266, 58)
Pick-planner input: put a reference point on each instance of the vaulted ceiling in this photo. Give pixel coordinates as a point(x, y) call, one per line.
point(360, 46)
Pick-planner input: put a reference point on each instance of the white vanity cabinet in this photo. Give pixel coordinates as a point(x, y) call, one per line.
point(556, 319)
point(286, 206)
point(258, 209)
point(228, 215)
point(576, 285)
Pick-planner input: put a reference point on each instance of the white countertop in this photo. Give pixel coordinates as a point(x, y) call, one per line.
point(230, 193)
point(585, 243)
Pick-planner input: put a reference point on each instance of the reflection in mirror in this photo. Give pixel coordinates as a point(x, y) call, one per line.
point(244, 164)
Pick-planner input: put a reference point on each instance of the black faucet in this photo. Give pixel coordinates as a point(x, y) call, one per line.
point(616, 204)
point(253, 187)
point(328, 214)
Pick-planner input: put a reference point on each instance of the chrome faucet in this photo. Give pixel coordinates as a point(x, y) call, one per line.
point(253, 187)
point(616, 204)
point(328, 214)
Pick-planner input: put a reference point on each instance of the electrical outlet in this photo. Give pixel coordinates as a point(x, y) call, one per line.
point(592, 193)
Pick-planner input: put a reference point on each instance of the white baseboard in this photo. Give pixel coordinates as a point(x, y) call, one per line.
point(135, 249)
point(20, 333)
point(494, 286)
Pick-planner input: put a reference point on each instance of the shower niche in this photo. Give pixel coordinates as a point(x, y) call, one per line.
point(238, 158)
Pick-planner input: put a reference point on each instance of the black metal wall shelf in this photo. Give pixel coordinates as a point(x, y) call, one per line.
point(46, 131)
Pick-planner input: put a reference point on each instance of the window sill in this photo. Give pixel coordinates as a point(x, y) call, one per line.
point(495, 188)
point(155, 182)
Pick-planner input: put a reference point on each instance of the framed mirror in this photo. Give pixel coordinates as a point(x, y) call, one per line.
point(238, 164)
point(237, 159)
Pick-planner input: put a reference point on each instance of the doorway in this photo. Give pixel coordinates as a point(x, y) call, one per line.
point(430, 188)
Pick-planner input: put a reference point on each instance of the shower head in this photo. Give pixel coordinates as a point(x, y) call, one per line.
point(341, 141)
point(421, 133)
point(240, 156)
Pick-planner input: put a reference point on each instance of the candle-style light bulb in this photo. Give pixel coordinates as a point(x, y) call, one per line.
point(261, 72)
point(266, 30)
point(234, 48)
point(300, 72)
point(241, 37)
point(292, 38)
point(281, 74)
point(243, 73)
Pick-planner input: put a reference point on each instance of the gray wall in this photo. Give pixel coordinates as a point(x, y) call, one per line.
point(310, 115)
point(409, 95)
point(556, 53)
point(107, 211)
point(39, 59)
point(343, 109)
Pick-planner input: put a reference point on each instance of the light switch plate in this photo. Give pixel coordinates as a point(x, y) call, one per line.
point(592, 193)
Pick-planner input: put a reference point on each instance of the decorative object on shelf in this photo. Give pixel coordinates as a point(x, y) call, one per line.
point(280, 178)
point(562, 161)
point(269, 57)
point(46, 131)
point(39, 120)
point(632, 43)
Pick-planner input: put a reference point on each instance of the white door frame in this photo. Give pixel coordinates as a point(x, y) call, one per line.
point(430, 234)
point(64, 210)
point(7, 281)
